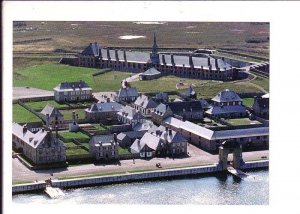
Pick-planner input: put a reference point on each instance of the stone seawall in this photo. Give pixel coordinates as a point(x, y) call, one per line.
point(22, 188)
point(133, 176)
point(110, 179)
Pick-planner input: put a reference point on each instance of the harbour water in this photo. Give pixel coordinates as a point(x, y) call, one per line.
point(199, 190)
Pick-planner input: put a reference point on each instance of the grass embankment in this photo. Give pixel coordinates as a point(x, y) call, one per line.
point(39, 106)
point(22, 115)
point(248, 102)
point(48, 76)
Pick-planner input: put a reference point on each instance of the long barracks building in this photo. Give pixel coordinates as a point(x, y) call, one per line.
point(204, 67)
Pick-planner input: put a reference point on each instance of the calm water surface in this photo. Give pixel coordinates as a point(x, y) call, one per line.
point(194, 190)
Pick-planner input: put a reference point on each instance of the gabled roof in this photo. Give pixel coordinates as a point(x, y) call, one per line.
point(188, 106)
point(215, 110)
point(145, 102)
point(162, 109)
point(103, 138)
point(129, 112)
point(131, 135)
point(91, 50)
point(41, 139)
point(148, 139)
point(52, 111)
point(227, 96)
point(162, 96)
point(128, 92)
point(151, 71)
point(105, 107)
point(73, 85)
point(145, 126)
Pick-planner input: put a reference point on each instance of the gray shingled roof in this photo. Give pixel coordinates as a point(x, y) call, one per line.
point(128, 92)
point(227, 96)
point(91, 50)
point(130, 112)
point(105, 107)
point(41, 139)
point(145, 126)
point(148, 139)
point(72, 85)
point(151, 71)
point(103, 138)
point(52, 111)
point(188, 106)
point(215, 110)
point(145, 102)
point(216, 135)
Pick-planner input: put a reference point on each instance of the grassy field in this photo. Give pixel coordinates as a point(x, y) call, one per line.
point(74, 36)
point(21, 115)
point(248, 101)
point(76, 152)
point(38, 106)
point(71, 135)
point(241, 121)
point(263, 82)
point(48, 76)
point(68, 113)
point(204, 88)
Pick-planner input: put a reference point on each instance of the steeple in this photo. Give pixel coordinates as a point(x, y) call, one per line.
point(154, 56)
point(154, 46)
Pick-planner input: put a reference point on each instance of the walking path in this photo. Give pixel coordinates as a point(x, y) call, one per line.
point(197, 157)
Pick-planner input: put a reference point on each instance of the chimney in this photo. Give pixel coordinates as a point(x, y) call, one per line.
point(201, 67)
point(139, 141)
point(115, 137)
point(191, 61)
point(208, 62)
point(117, 56)
point(108, 100)
point(172, 59)
point(170, 132)
point(108, 54)
point(56, 131)
point(124, 55)
point(157, 132)
point(167, 129)
point(47, 120)
point(24, 129)
point(100, 53)
point(164, 59)
point(216, 63)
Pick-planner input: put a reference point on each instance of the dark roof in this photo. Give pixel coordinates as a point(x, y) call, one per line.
point(105, 107)
point(52, 111)
point(91, 50)
point(103, 138)
point(145, 102)
point(188, 106)
point(263, 103)
point(72, 85)
point(151, 71)
point(128, 92)
point(227, 96)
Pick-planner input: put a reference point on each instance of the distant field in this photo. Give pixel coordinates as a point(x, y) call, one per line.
point(48, 76)
point(74, 36)
point(21, 115)
point(204, 88)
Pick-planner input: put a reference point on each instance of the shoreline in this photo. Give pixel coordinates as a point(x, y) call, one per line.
point(211, 169)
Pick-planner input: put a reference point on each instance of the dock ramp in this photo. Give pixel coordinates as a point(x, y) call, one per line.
point(240, 174)
point(53, 192)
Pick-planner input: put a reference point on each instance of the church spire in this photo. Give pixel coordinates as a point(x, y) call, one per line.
point(154, 47)
point(154, 56)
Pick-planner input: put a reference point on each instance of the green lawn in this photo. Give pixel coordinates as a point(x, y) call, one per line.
point(70, 144)
point(263, 82)
point(48, 76)
point(76, 152)
point(38, 106)
point(68, 113)
point(21, 115)
point(248, 101)
point(123, 151)
point(241, 121)
point(71, 135)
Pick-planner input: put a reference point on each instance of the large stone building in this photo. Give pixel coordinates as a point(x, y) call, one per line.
point(72, 92)
point(127, 94)
point(104, 147)
point(197, 67)
point(129, 115)
point(227, 104)
point(103, 112)
point(145, 105)
point(43, 147)
point(210, 140)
